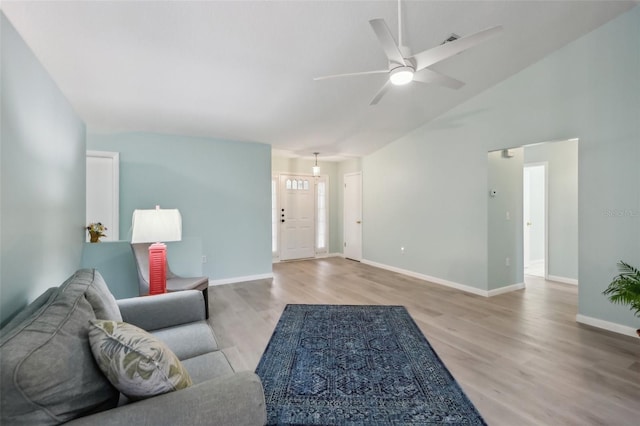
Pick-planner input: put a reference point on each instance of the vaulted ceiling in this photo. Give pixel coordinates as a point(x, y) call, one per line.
point(243, 70)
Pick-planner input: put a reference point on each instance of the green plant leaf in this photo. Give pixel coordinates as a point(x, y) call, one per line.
point(625, 287)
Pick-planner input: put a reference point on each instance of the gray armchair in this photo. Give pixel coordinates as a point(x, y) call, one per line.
point(174, 282)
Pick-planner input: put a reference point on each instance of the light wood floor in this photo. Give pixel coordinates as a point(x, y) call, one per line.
point(520, 357)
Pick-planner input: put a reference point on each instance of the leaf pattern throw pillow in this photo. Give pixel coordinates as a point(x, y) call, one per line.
point(135, 362)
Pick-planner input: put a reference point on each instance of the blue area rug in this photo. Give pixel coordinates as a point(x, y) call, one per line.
point(357, 365)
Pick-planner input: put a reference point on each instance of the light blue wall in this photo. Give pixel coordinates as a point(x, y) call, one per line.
point(504, 226)
point(562, 170)
point(301, 165)
point(352, 165)
point(222, 189)
point(427, 190)
point(115, 262)
point(42, 178)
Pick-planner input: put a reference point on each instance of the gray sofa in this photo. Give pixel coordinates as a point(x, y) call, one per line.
point(48, 374)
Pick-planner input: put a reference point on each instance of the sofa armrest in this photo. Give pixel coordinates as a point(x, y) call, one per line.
point(237, 399)
point(163, 310)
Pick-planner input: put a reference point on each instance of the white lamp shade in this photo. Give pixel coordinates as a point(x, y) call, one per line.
point(157, 225)
point(316, 170)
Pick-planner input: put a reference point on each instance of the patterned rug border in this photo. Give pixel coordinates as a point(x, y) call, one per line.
point(292, 400)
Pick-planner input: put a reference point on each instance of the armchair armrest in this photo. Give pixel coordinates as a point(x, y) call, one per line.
point(236, 399)
point(163, 310)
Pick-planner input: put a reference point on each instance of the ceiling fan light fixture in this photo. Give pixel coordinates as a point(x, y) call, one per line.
point(401, 76)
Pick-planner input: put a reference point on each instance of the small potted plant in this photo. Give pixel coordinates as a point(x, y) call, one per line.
point(96, 231)
point(625, 288)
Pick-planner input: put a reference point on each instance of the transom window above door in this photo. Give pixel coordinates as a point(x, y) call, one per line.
point(299, 184)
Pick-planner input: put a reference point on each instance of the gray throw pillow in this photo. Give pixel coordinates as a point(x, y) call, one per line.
point(136, 362)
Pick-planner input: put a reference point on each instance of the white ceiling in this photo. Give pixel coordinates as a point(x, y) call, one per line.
point(243, 70)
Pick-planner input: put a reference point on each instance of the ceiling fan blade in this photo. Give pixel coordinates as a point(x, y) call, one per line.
point(387, 41)
point(380, 93)
point(430, 76)
point(436, 54)
point(351, 74)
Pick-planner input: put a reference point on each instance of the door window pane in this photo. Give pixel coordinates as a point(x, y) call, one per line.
point(274, 215)
point(321, 217)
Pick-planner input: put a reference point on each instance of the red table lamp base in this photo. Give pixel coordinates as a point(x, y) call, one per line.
point(157, 268)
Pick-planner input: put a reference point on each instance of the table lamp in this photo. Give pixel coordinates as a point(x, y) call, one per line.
point(157, 226)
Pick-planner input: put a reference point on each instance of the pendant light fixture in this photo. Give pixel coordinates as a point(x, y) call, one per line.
point(316, 168)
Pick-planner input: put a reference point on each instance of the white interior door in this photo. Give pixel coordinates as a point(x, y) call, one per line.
point(534, 216)
point(297, 224)
point(526, 216)
point(103, 191)
point(353, 216)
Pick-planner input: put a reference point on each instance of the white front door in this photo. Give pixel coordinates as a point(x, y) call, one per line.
point(297, 222)
point(353, 216)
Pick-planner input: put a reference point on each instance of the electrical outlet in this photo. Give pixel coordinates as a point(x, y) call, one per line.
point(204, 259)
point(507, 262)
point(508, 215)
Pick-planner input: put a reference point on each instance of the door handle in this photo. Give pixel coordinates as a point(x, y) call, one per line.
point(528, 223)
point(282, 221)
point(358, 221)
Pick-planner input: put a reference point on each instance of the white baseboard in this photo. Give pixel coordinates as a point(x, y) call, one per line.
point(446, 283)
point(606, 325)
point(240, 279)
point(506, 289)
point(563, 280)
point(318, 256)
point(321, 255)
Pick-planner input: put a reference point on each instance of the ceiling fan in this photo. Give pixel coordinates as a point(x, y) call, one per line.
point(405, 68)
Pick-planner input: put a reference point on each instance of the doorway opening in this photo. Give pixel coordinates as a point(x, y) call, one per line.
point(533, 214)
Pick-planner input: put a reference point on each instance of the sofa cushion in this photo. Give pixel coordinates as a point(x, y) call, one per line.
point(48, 373)
point(208, 366)
point(134, 361)
point(188, 340)
point(97, 293)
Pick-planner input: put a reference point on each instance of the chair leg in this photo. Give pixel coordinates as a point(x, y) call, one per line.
point(205, 294)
